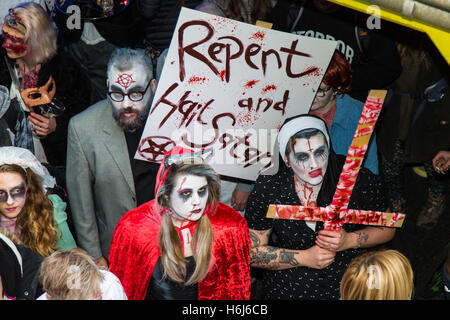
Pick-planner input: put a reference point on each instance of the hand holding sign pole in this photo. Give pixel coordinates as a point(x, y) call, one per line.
point(337, 213)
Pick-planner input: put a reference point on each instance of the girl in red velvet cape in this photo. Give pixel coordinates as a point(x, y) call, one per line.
point(139, 245)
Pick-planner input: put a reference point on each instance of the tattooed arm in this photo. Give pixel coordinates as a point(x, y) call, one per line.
point(364, 238)
point(370, 237)
point(272, 258)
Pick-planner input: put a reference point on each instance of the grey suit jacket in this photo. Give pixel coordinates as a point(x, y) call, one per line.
point(99, 177)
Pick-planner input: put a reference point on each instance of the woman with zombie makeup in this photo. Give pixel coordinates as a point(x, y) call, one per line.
point(301, 260)
point(184, 244)
point(32, 70)
point(29, 41)
point(27, 208)
point(340, 111)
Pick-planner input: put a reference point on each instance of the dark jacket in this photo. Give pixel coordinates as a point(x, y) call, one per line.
point(71, 89)
point(19, 270)
point(123, 29)
point(31, 288)
point(430, 132)
point(375, 61)
point(160, 19)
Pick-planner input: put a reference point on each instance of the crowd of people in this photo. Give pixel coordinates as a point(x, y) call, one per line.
point(82, 219)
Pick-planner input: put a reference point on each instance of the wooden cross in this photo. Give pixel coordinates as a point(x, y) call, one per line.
point(337, 213)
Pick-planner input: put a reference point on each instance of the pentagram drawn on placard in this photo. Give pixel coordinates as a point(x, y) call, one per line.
point(153, 148)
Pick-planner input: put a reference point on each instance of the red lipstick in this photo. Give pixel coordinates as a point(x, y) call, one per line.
point(315, 173)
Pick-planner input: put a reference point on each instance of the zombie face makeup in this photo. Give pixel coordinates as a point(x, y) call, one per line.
point(14, 42)
point(12, 194)
point(130, 95)
point(309, 159)
point(40, 95)
point(189, 197)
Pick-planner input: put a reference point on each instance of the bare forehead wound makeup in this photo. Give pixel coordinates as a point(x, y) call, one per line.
point(12, 20)
point(296, 125)
point(185, 192)
point(310, 147)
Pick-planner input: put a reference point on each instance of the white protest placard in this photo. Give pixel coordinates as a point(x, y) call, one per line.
point(229, 85)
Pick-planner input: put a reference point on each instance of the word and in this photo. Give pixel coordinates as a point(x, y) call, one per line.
point(190, 110)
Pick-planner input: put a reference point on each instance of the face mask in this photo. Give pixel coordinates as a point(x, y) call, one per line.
point(309, 159)
point(40, 95)
point(189, 197)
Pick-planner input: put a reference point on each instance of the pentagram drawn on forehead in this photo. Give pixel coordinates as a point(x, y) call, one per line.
point(125, 80)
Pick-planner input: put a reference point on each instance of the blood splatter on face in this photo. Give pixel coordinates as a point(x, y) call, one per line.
point(14, 43)
point(309, 159)
point(189, 198)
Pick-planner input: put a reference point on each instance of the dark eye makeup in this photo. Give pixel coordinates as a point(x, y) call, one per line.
point(15, 193)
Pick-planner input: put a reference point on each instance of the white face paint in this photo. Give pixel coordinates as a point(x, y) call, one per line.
point(309, 159)
point(189, 197)
point(130, 114)
point(12, 194)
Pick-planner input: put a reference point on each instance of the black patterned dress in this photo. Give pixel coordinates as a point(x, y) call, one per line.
point(303, 282)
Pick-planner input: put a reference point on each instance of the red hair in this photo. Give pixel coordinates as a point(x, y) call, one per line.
point(339, 74)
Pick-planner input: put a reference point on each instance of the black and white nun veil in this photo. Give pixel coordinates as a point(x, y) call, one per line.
point(292, 126)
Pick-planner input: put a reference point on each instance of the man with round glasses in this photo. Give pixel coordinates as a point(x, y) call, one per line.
point(129, 97)
point(104, 181)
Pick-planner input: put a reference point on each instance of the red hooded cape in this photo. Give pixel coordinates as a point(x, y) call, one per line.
point(135, 251)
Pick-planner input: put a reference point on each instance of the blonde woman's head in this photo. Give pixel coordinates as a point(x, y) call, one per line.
point(378, 275)
point(39, 32)
point(70, 275)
